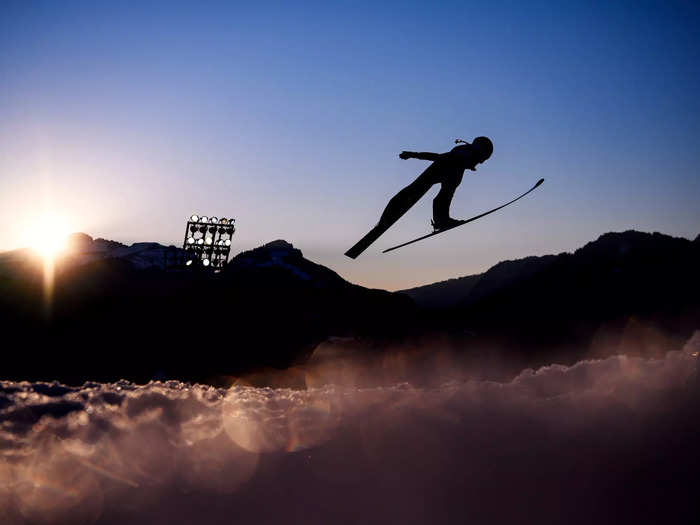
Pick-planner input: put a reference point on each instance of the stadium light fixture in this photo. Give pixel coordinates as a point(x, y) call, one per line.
point(207, 241)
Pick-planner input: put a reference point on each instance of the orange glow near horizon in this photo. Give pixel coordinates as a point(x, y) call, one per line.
point(47, 236)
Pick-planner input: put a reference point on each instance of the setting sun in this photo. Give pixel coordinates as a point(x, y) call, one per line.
point(47, 236)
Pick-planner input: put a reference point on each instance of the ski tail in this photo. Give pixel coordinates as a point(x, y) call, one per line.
point(366, 241)
point(397, 207)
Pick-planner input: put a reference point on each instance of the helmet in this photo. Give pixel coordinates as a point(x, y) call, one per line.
point(484, 146)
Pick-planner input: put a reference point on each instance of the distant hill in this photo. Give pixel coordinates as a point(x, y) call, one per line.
point(627, 272)
point(571, 298)
point(629, 247)
point(117, 313)
point(470, 288)
point(443, 294)
point(83, 249)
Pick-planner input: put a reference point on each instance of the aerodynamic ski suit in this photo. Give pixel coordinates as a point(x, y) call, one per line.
point(447, 170)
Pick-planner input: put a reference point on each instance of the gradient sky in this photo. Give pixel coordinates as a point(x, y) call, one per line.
point(290, 118)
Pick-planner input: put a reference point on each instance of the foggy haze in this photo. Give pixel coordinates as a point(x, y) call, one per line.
point(593, 442)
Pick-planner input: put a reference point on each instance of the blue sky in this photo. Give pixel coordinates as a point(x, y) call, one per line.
point(290, 116)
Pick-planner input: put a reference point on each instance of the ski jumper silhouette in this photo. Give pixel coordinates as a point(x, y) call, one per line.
point(447, 170)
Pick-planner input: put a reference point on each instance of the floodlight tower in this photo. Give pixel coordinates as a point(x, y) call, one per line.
point(208, 241)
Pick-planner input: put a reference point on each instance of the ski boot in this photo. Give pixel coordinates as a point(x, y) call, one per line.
point(443, 224)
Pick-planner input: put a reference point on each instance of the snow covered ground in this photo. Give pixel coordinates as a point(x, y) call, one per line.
point(602, 441)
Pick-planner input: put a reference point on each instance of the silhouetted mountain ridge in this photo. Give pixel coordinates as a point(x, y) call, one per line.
point(281, 255)
point(117, 313)
point(622, 282)
point(81, 249)
point(443, 294)
point(620, 248)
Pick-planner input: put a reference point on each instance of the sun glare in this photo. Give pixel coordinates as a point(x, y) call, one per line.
point(48, 235)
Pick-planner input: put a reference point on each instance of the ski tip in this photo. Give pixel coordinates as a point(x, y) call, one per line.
point(539, 182)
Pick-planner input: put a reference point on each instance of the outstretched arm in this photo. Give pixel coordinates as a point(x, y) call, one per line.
point(422, 155)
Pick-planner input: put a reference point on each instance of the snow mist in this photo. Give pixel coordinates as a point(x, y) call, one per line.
point(601, 441)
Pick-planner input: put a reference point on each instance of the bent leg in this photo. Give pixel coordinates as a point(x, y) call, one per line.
point(442, 201)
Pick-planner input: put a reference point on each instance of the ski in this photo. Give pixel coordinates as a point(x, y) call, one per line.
point(436, 232)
